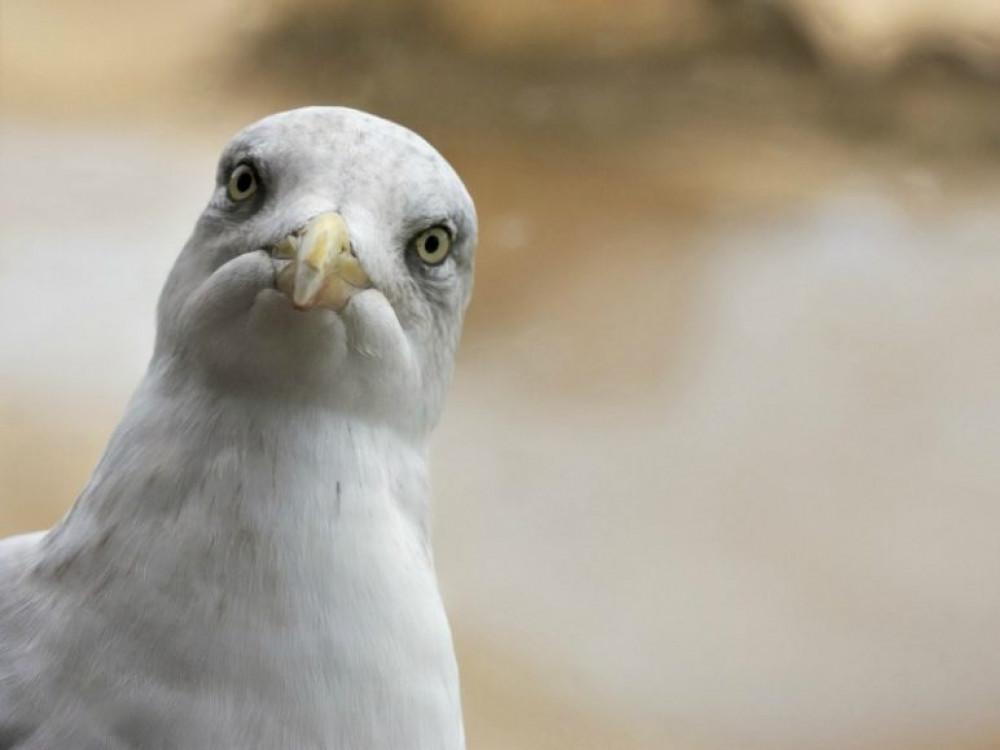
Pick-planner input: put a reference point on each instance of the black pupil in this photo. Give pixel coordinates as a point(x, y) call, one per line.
point(245, 181)
point(432, 243)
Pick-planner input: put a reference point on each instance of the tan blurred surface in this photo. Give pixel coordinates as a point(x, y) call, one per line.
point(719, 468)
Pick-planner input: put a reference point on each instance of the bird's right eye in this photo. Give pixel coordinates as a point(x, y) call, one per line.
point(433, 245)
point(243, 183)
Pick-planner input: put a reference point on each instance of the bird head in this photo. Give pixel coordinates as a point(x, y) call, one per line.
point(332, 267)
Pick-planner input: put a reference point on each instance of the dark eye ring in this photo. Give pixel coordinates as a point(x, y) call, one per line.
point(433, 245)
point(243, 183)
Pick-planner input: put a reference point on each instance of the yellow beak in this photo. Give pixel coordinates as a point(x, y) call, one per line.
point(324, 271)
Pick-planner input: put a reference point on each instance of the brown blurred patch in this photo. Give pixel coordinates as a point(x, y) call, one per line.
point(44, 463)
point(752, 67)
point(510, 702)
point(590, 238)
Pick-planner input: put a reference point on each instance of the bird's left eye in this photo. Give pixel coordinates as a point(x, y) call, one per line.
point(433, 245)
point(243, 183)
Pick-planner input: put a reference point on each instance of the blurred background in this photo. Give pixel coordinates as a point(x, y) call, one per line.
point(720, 465)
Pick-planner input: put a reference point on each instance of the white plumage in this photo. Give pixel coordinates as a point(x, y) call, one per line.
point(249, 565)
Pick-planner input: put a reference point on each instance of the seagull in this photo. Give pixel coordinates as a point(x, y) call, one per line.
point(249, 565)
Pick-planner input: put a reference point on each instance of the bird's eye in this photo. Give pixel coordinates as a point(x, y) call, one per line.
point(433, 245)
point(243, 183)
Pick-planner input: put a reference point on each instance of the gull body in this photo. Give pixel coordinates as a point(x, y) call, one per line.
point(250, 564)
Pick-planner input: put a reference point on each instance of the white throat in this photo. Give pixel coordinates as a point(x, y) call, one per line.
point(278, 559)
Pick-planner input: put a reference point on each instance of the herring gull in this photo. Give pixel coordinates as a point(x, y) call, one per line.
point(249, 565)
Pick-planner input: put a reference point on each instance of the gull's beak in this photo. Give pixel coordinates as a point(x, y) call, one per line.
point(324, 271)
